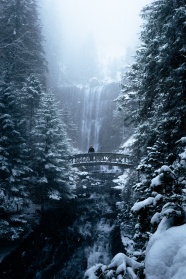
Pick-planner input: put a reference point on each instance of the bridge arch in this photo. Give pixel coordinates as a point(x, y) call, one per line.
point(95, 159)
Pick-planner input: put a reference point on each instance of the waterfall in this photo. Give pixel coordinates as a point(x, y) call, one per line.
point(91, 118)
point(91, 109)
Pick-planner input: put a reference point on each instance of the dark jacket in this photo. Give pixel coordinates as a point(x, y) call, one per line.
point(91, 149)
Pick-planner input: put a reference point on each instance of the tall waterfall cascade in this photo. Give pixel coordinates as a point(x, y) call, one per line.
point(92, 110)
point(92, 117)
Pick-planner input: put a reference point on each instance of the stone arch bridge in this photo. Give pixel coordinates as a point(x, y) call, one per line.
point(98, 159)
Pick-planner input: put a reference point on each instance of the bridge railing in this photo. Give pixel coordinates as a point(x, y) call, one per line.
point(86, 158)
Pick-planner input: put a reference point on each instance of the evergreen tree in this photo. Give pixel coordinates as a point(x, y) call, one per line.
point(21, 48)
point(160, 63)
point(30, 98)
point(50, 152)
point(22, 74)
point(14, 171)
point(158, 79)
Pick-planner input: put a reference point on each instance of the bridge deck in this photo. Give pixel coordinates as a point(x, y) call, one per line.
point(92, 159)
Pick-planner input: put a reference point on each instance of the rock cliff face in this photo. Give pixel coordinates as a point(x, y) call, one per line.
point(91, 109)
point(72, 236)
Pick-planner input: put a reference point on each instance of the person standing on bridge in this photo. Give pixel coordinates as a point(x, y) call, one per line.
point(91, 149)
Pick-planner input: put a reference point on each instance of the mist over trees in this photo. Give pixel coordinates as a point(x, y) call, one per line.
point(71, 60)
point(73, 53)
point(33, 139)
point(34, 149)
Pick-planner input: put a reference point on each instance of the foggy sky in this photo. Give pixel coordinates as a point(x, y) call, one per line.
point(113, 25)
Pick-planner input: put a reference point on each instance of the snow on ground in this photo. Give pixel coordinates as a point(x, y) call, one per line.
point(166, 253)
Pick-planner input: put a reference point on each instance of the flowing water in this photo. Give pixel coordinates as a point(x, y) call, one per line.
point(91, 117)
point(91, 109)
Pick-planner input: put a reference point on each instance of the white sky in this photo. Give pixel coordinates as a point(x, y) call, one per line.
point(114, 24)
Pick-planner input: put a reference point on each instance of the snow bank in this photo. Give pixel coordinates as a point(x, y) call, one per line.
point(166, 253)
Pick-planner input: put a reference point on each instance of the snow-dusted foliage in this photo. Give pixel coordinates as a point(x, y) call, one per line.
point(22, 82)
point(120, 266)
point(21, 41)
point(14, 168)
point(50, 151)
point(154, 89)
point(21, 61)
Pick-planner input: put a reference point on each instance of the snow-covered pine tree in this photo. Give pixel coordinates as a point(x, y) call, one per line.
point(22, 76)
point(21, 47)
point(50, 153)
point(164, 65)
point(23, 62)
point(160, 63)
point(158, 79)
point(14, 170)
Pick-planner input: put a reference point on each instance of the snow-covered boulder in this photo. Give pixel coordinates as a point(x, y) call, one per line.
point(166, 253)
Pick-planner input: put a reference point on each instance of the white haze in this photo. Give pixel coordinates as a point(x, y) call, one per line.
point(113, 26)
